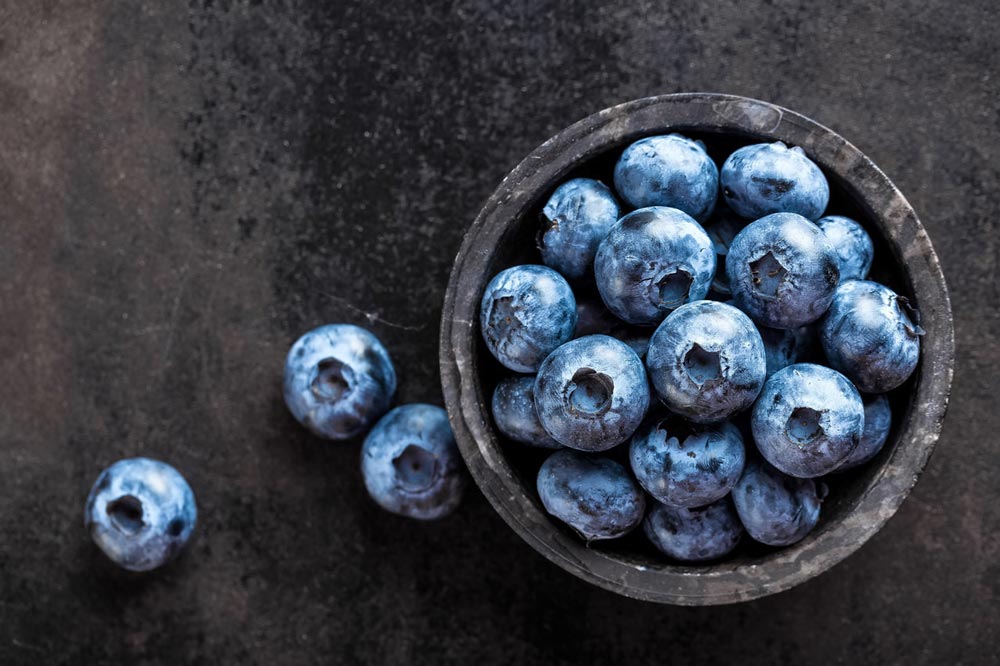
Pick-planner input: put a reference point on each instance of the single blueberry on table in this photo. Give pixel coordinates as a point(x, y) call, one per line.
point(515, 415)
point(776, 509)
point(782, 271)
point(783, 347)
point(696, 534)
point(411, 465)
point(684, 464)
point(651, 262)
point(852, 244)
point(767, 178)
point(722, 228)
point(868, 335)
point(591, 393)
point(807, 420)
point(526, 312)
point(338, 380)
point(141, 513)
point(878, 420)
point(706, 361)
point(594, 318)
point(669, 170)
point(575, 219)
point(595, 496)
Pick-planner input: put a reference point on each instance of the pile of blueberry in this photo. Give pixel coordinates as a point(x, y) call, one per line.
point(732, 342)
point(338, 382)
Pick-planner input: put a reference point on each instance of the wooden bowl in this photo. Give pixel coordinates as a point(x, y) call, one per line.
point(503, 234)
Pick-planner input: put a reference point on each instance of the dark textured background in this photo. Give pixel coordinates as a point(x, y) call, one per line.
point(184, 188)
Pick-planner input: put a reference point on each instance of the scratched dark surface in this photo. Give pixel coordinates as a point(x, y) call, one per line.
point(184, 188)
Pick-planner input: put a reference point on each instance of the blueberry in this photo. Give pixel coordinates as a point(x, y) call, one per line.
point(722, 229)
point(592, 393)
point(593, 495)
point(669, 170)
point(868, 335)
point(141, 513)
point(770, 178)
point(653, 261)
point(575, 219)
point(776, 509)
point(878, 419)
point(338, 380)
point(807, 420)
point(696, 534)
point(526, 312)
point(852, 244)
point(515, 415)
point(687, 465)
point(411, 465)
point(784, 347)
point(593, 318)
point(706, 361)
point(782, 271)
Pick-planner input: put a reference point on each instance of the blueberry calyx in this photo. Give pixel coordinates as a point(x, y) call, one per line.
point(672, 289)
point(910, 316)
point(547, 224)
point(126, 514)
point(768, 275)
point(589, 392)
point(703, 366)
point(332, 380)
point(803, 425)
point(417, 469)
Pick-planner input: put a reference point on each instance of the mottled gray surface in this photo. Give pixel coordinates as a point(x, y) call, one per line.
point(184, 189)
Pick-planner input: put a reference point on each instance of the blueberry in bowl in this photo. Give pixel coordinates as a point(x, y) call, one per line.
point(772, 530)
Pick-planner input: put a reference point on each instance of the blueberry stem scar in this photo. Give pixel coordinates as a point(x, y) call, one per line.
point(702, 365)
point(803, 425)
point(126, 514)
point(768, 275)
point(590, 392)
point(416, 468)
point(332, 380)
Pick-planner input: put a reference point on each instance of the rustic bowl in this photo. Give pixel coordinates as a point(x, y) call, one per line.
point(503, 235)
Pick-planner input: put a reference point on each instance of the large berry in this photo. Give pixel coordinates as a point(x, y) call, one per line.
point(775, 509)
point(526, 312)
point(706, 361)
point(697, 534)
point(669, 170)
point(868, 335)
point(651, 262)
point(687, 465)
point(807, 420)
point(411, 465)
point(575, 219)
point(782, 271)
point(338, 380)
point(141, 513)
point(767, 178)
point(591, 393)
point(595, 496)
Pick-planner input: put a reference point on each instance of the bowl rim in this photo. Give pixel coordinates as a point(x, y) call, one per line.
point(469, 411)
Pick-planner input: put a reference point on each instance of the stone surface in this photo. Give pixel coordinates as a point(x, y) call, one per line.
point(185, 189)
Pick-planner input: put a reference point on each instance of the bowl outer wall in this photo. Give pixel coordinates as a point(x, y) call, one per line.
point(468, 406)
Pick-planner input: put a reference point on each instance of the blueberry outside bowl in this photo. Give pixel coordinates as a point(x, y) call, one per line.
point(503, 234)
